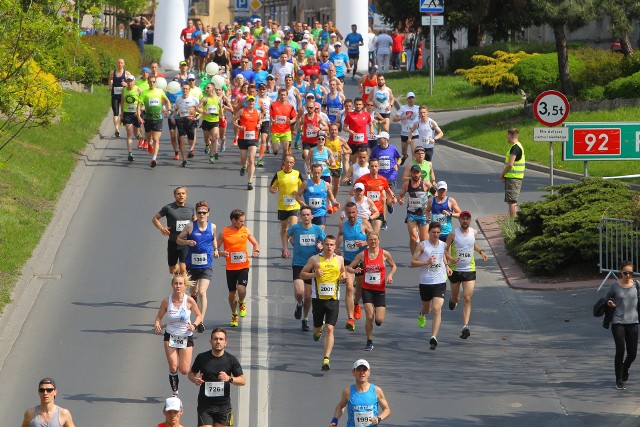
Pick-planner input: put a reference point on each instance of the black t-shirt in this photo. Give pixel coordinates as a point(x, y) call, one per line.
point(517, 151)
point(136, 31)
point(210, 366)
point(177, 218)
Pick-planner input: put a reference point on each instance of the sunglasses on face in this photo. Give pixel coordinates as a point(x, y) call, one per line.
point(627, 273)
point(46, 390)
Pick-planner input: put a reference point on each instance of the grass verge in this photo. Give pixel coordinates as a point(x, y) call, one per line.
point(448, 91)
point(34, 170)
point(489, 133)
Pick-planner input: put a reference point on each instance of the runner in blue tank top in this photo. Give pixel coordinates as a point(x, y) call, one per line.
point(442, 208)
point(314, 193)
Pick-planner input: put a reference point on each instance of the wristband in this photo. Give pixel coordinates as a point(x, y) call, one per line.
point(215, 249)
point(334, 421)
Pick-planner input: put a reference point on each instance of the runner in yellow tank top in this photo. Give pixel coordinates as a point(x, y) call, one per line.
point(286, 182)
point(338, 145)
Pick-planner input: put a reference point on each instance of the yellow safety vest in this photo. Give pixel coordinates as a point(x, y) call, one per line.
point(517, 171)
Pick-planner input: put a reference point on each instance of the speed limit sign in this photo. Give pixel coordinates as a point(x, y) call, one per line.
point(551, 108)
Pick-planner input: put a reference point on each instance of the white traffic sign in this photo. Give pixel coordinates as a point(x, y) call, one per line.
point(550, 134)
point(431, 6)
point(551, 108)
point(432, 20)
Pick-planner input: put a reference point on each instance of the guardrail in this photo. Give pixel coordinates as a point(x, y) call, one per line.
point(619, 241)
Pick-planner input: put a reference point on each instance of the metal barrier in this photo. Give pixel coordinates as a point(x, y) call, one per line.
point(619, 241)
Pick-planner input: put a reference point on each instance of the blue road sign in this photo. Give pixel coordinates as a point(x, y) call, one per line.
point(432, 6)
point(242, 6)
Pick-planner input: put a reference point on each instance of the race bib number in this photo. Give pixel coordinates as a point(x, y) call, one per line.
point(439, 218)
point(435, 266)
point(281, 120)
point(184, 112)
point(425, 141)
point(385, 164)
point(338, 62)
point(214, 389)
point(131, 108)
point(212, 109)
point(362, 419)
point(288, 200)
point(117, 90)
point(199, 259)
point(373, 278)
point(238, 257)
point(176, 341)
point(406, 128)
point(374, 195)
point(154, 102)
point(327, 289)
point(188, 36)
point(350, 245)
point(333, 111)
point(415, 203)
point(180, 225)
point(237, 56)
point(307, 240)
point(311, 133)
point(315, 202)
point(249, 134)
point(358, 137)
point(464, 255)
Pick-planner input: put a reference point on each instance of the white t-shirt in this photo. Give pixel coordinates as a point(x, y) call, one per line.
point(409, 117)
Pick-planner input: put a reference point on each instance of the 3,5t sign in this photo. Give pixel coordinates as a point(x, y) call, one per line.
point(551, 108)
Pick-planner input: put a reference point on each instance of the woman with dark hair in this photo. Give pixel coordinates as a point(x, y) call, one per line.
point(623, 297)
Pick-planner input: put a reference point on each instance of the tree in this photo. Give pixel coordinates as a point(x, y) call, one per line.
point(622, 14)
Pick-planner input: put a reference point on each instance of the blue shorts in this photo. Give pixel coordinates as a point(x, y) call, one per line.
point(420, 219)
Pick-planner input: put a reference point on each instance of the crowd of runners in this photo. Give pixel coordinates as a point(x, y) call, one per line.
point(280, 90)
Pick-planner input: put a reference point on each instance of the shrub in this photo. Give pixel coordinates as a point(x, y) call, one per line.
point(76, 62)
point(493, 72)
point(108, 49)
point(463, 58)
point(599, 67)
point(631, 64)
point(540, 72)
point(562, 228)
point(624, 87)
point(151, 53)
point(593, 92)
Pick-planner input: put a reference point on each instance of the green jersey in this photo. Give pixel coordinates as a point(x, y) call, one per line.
point(131, 97)
point(152, 100)
point(211, 110)
point(143, 85)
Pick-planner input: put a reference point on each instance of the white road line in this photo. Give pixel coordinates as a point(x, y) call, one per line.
point(262, 356)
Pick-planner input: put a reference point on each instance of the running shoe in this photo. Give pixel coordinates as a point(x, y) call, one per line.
point(140, 143)
point(422, 320)
point(357, 312)
point(298, 313)
point(620, 385)
point(383, 226)
point(260, 163)
point(250, 186)
point(305, 325)
point(243, 309)
point(150, 147)
point(351, 325)
point(215, 155)
point(433, 343)
point(200, 328)
point(234, 320)
point(404, 158)
point(325, 364)
point(452, 305)
point(117, 133)
point(625, 375)
point(184, 163)
point(368, 346)
point(243, 169)
point(224, 147)
point(176, 156)
point(153, 163)
point(190, 154)
point(145, 145)
point(390, 209)
point(316, 337)
point(207, 149)
point(130, 157)
point(466, 333)
point(212, 159)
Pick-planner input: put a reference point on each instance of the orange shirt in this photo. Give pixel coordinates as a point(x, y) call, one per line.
point(368, 86)
point(373, 189)
point(281, 113)
point(261, 54)
point(235, 242)
point(250, 118)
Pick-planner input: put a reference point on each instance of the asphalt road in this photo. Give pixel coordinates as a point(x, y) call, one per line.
point(533, 359)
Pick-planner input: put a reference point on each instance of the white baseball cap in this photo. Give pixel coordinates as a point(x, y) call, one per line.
point(191, 76)
point(382, 135)
point(411, 95)
point(361, 362)
point(441, 184)
point(173, 404)
point(359, 186)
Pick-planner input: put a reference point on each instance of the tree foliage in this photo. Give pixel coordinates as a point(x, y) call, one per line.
point(494, 72)
point(622, 14)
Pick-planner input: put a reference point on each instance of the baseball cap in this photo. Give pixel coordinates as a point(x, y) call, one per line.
point(146, 70)
point(358, 186)
point(239, 31)
point(247, 30)
point(333, 35)
point(191, 76)
point(411, 95)
point(416, 168)
point(304, 41)
point(338, 44)
point(250, 98)
point(277, 39)
point(259, 61)
point(262, 86)
point(183, 63)
point(270, 77)
point(441, 184)
point(131, 78)
point(419, 148)
point(361, 362)
point(382, 135)
point(257, 20)
point(309, 95)
point(465, 213)
point(306, 35)
point(314, 76)
point(173, 404)
point(300, 72)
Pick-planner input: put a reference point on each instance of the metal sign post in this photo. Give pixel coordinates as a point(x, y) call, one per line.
point(431, 7)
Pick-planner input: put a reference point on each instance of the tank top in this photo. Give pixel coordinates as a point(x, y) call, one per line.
point(178, 318)
point(130, 98)
point(182, 80)
point(273, 95)
point(417, 198)
point(326, 286)
point(437, 215)
point(374, 271)
point(368, 85)
point(291, 97)
point(117, 87)
point(436, 273)
point(211, 110)
point(54, 422)
point(315, 196)
point(317, 92)
point(266, 102)
point(362, 406)
point(381, 99)
point(220, 58)
point(462, 248)
point(334, 106)
point(363, 208)
point(287, 187)
point(359, 171)
point(310, 128)
point(250, 119)
point(321, 158)
point(334, 146)
point(425, 134)
point(235, 242)
point(351, 233)
point(201, 255)
point(425, 169)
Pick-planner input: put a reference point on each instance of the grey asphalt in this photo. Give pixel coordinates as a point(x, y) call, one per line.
point(534, 358)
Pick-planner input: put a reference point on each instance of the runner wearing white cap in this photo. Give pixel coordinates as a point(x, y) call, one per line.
point(172, 411)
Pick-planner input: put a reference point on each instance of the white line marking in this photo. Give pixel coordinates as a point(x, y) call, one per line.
point(263, 311)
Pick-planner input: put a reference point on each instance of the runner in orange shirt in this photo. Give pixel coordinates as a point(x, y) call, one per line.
point(375, 188)
point(283, 115)
point(247, 120)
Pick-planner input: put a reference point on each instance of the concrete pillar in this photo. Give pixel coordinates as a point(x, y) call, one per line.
point(171, 18)
point(354, 12)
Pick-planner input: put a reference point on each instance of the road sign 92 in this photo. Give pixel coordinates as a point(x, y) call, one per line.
point(551, 108)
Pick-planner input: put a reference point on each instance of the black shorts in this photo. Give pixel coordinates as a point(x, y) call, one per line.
point(325, 311)
point(319, 220)
point(356, 147)
point(265, 127)
point(200, 273)
point(189, 339)
point(378, 218)
point(462, 276)
point(336, 173)
point(354, 55)
point(296, 273)
point(385, 115)
point(373, 143)
point(361, 265)
point(284, 215)
point(207, 126)
point(187, 50)
point(187, 128)
point(308, 146)
point(115, 105)
point(428, 154)
point(130, 119)
point(153, 125)
point(405, 138)
point(429, 292)
point(237, 277)
point(211, 415)
point(377, 298)
point(176, 252)
point(244, 144)
point(172, 125)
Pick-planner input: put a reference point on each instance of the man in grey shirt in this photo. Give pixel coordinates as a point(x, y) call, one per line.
point(383, 43)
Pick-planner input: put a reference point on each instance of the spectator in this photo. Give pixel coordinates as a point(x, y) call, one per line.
point(383, 43)
point(396, 49)
point(137, 27)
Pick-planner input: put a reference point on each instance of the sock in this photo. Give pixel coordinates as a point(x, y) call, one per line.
point(174, 380)
point(263, 148)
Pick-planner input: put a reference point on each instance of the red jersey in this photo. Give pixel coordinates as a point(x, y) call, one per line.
point(310, 69)
point(359, 123)
point(310, 127)
point(250, 119)
point(374, 187)
point(368, 86)
point(261, 54)
point(237, 50)
point(187, 36)
point(281, 113)
point(374, 271)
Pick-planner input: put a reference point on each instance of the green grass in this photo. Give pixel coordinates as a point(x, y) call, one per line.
point(448, 91)
point(34, 169)
point(489, 132)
